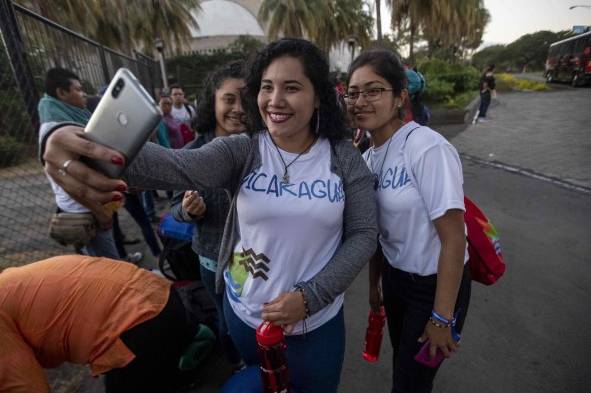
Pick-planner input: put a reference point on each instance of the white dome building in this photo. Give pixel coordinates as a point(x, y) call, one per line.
point(221, 22)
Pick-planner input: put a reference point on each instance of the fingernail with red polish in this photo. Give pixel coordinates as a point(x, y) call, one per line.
point(117, 160)
point(116, 198)
point(121, 188)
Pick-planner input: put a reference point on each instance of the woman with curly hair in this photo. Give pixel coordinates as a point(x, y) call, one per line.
point(302, 220)
point(219, 114)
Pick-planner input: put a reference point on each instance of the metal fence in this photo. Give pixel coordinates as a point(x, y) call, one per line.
point(30, 45)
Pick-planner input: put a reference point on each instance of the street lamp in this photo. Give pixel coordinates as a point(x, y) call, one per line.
point(351, 42)
point(581, 6)
point(159, 44)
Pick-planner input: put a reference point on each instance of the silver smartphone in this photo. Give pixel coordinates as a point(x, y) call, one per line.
point(123, 120)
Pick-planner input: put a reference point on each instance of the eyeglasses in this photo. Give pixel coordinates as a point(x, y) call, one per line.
point(370, 95)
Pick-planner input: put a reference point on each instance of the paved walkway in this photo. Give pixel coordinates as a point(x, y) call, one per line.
point(548, 133)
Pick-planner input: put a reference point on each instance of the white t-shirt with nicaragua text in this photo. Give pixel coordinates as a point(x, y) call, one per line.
point(288, 231)
point(408, 236)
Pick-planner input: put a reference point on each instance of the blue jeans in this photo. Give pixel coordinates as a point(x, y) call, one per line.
point(102, 245)
point(208, 280)
point(314, 360)
point(484, 103)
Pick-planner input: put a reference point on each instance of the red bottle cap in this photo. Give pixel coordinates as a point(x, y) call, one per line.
point(269, 334)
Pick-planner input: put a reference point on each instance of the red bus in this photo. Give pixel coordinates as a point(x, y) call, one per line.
point(569, 60)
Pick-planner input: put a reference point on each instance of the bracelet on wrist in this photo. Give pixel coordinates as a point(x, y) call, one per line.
point(306, 309)
point(442, 320)
point(438, 324)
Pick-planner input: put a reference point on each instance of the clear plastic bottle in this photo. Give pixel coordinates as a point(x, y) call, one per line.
point(374, 334)
point(271, 347)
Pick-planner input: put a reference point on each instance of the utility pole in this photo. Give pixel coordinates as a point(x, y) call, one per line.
point(159, 43)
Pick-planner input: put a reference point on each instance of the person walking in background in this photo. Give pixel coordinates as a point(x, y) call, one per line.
point(487, 92)
point(302, 217)
point(220, 114)
point(124, 322)
point(65, 101)
point(425, 284)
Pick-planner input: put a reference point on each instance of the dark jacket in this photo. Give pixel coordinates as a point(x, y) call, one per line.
point(210, 227)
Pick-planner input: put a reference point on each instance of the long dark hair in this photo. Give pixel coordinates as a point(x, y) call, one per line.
point(332, 121)
point(206, 122)
point(386, 64)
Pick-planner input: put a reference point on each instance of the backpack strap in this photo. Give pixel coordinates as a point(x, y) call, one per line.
point(189, 109)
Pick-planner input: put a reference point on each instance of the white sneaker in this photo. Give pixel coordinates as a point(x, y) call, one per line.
point(134, 257)
point(483, 120)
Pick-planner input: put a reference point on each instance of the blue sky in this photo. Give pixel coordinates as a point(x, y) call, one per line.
point(510, 19)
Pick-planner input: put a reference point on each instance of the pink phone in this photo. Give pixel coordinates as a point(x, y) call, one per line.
point(423, 355)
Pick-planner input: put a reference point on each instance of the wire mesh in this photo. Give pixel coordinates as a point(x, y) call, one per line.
point(26, 199)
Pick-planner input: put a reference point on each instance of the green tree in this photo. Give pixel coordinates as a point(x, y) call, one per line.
point(134, 25)
point(326, 23)
point(291, 18)
point(527, 52)
point(168, 19)
point(494, 54)
point(450, 27)
point(531, 50)
point(245, 44)
point(410, 15)
point(343, 19)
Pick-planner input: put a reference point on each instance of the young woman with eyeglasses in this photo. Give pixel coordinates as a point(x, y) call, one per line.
point(425, 287)
point(302, 217)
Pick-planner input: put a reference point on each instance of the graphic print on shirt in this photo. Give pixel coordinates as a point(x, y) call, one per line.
point(393, 178)
point(259, 181)
point(245, 263)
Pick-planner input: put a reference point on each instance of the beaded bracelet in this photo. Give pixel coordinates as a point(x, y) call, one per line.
point(306, 308)
point(435, 323)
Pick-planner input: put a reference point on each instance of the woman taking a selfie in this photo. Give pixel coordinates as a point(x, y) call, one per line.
point(300, 227)
point(425, 286)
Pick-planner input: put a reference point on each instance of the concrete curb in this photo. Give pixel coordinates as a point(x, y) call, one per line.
point(455, 116)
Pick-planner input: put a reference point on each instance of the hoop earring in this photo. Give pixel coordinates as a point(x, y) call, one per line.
point(317, 130)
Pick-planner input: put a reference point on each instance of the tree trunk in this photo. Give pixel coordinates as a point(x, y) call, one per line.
point(411, 51)
point(379, 19)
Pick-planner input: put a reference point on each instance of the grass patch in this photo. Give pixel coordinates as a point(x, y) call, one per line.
point(508, 82)
point(458, 101)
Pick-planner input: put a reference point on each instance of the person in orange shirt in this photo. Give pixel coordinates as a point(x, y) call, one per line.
point(125, 322)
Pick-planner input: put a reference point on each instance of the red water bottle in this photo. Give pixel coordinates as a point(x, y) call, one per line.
point(373, 335)
point(271, 347)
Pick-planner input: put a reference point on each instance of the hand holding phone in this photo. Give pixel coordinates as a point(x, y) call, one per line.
point(425, 358)
point(123, 120)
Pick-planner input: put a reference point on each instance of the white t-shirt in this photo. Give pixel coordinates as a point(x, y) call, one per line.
point(182, 114)
point(287, 232)
point(62, 199)
point(405, 218)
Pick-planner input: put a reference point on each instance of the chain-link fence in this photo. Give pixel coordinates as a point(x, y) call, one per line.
point(30, 46)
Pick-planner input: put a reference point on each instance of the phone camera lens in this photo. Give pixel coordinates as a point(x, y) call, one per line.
point(117, 88)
